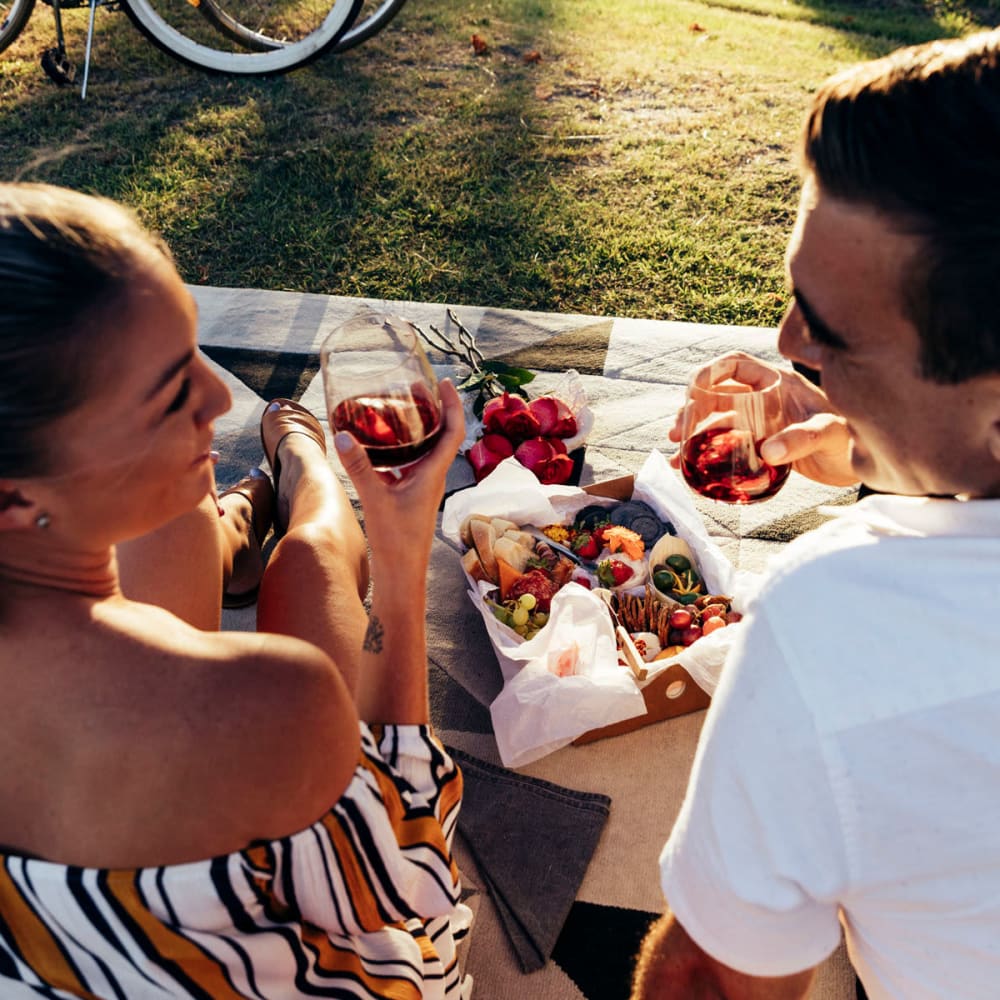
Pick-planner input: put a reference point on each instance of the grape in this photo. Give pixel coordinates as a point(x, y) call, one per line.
point(527, 601)
point(539, 618)
point(520, 615)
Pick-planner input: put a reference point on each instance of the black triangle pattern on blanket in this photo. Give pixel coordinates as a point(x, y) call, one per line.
point(598, 946)
point(270, 374)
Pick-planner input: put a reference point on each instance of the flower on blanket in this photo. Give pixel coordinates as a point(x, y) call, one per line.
point(538, 432)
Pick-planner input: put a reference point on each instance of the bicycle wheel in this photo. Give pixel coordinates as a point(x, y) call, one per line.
point(307, 29)
point(14, 16)
point(373, 16)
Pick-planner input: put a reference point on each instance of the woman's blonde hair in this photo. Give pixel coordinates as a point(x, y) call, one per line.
point(66, 261)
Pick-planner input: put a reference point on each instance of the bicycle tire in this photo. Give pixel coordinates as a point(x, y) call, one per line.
point(365, 26)
point(14, 16)
point(312, 27)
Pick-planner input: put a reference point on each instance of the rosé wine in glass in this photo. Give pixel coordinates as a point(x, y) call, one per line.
point(723, 425)
point(380, 387)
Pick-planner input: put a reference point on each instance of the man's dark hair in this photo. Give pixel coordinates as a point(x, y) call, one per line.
point(916, 135)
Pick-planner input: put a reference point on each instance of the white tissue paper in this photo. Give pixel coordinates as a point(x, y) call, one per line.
point(567, 679)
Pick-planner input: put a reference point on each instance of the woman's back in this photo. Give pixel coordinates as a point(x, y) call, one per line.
point(363, 903)
point(134, 735)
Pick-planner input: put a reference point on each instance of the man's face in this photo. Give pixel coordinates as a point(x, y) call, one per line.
point(908, 435)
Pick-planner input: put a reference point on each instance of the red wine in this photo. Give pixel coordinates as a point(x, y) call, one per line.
point(394, 431)
point(724, 463)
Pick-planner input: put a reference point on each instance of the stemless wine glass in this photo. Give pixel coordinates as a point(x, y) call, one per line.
point(722, 427)
point(380, 386)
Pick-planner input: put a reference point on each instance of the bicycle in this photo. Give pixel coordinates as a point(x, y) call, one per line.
point(285, 34)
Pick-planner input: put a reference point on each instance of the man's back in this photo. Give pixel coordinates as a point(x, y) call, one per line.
point(854, 757)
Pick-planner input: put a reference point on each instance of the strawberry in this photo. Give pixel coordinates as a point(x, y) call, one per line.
point(600, 532)
point(585, 545)
point(613, 572)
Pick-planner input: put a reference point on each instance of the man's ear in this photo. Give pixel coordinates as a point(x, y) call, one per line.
point(17, 512)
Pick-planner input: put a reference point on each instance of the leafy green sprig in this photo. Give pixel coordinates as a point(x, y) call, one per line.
point(488, 379)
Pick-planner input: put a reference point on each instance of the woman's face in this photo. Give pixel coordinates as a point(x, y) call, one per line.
point(135, 455)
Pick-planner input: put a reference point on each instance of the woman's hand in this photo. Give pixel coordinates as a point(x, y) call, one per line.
point(815, 439)
point(400, 520)
point(401, 513)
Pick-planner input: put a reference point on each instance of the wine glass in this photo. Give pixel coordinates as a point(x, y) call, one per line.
point(380, 386)
point(722, 427)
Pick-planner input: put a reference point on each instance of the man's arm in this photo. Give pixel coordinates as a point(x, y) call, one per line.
point(671, 965)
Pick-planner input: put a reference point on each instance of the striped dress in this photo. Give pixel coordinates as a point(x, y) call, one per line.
point(362, 904)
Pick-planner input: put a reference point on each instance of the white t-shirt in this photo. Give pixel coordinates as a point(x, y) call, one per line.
point(850, 761)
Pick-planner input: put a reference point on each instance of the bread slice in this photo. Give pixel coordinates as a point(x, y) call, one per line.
point(502, 525)
point(474, 567)
point(484, 537)
point(514, 553)
point(521, 537)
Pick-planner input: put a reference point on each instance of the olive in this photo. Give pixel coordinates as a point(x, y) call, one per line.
point(686, 598)
point(664, 580)
point(679, 562)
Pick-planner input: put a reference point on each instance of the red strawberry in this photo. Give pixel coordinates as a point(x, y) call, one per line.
point(600, 533)
point(613, 572)
point(585, 546)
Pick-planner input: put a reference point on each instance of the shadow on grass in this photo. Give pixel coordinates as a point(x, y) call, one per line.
point(878, 28)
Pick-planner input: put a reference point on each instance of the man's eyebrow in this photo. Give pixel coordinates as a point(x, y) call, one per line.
point(817, 328)
point(169, 374)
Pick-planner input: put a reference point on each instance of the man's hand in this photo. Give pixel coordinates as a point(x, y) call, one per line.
point(671, 966)
point(815, 439)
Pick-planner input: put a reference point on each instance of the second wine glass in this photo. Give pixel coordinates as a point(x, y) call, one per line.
point(723, 425)
point(380, 386)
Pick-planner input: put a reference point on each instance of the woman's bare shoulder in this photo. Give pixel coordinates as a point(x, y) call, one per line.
point(196, 743)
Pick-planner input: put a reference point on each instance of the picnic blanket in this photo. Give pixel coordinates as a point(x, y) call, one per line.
point(577, 921)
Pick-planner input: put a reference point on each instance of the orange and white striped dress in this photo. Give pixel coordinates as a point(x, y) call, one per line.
point(362, 904)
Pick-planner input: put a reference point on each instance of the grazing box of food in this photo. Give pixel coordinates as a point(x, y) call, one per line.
point(670, 693)
point(607, 607)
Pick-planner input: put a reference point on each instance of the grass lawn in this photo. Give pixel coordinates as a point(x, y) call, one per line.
point(626, 157)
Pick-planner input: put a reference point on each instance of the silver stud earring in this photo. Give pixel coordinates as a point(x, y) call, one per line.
point(43, 521)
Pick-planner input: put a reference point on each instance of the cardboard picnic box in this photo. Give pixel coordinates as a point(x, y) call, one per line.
point(541, 708)
point(670, 693)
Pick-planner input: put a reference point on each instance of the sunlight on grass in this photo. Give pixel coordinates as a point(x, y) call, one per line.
point(629, 157)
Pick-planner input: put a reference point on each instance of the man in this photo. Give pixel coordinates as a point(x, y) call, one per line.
point(848, 775)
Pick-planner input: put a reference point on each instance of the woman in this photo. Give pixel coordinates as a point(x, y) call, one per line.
point(187, 812)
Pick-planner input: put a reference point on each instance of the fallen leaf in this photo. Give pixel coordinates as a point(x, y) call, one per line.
point(543, 93)
point(479, 45)
point(695, 26)
point(534, 56)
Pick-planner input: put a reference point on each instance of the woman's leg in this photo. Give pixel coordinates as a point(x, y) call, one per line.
point(185, 565)
point(317, 576)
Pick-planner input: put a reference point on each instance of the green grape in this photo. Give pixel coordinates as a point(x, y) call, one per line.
point(539, 618)
point(520, 615)
point(527, 601)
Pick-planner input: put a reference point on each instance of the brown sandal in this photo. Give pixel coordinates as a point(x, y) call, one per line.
point(258, 490)
point(276, 425)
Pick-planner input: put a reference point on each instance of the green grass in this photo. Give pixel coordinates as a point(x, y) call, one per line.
point(645, 166)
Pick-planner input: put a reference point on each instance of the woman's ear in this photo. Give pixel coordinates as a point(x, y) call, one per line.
point(17, 512)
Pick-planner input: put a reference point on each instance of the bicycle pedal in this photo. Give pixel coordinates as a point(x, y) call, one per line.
point(57, 67)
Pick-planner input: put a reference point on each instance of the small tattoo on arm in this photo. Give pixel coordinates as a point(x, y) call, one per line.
point(373, 636)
